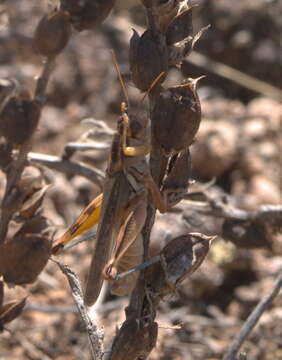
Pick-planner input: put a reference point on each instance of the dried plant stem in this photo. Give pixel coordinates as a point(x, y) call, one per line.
point(68, 167)
point(42, 81)
point(17, 166)
point(95, 335)
point(236, 76)
point(253, 319)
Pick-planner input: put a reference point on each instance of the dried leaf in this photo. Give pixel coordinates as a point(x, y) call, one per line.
point(10, 311)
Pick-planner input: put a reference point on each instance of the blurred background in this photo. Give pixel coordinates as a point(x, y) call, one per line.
point(239, 145)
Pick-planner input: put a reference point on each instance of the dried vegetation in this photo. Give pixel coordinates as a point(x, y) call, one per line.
point(205, 153)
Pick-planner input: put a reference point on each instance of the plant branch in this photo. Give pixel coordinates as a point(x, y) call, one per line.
point(95, 335)
point(253, 319)
point(68, 167)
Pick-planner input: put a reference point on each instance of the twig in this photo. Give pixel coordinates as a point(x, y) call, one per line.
point(42, 81)
point(48, 309)
point(68, 167)
point(252, 320)
point(237, 76)
point(95, 335)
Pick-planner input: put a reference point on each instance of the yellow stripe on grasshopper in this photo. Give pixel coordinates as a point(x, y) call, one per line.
point(88, 218)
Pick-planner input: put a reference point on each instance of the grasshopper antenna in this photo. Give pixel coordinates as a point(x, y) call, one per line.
point(150, 88)
point(125, 93)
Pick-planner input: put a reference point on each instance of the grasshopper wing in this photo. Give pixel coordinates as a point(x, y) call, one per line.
point(116, 197)
point(89, 217)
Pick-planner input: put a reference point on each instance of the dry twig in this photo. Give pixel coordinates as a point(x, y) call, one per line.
point(253, 319)
point(95, 335)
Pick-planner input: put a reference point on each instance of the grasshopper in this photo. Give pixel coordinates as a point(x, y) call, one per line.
point(121, 210)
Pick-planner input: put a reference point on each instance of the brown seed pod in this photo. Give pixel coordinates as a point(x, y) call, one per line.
point(7, 90)
point(175, 185)
point(19, 119)
point(5, 154)
point(176, 117)
point(148, 58)
point(135, 340)
point(180, 28)
point(87, 14)
point(33, 203)
point(10, 311)
point(1, 294)
point(180, 258)
point(24, 256)
point(52, 34)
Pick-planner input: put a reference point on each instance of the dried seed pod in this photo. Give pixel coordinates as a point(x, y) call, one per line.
point(10, 311)
point(19, 119)
point(175, 185)
point(32, 203)
point(5, 154)
point(52, 34)
point(164, 11)
point(1, 294)
point(35, 225)
point(176, 117)
point(87, 14)
point(135, 340)
point(180, 28)
point(23, 258)
point(179, 259)
point(148, 57)
point(7, 90)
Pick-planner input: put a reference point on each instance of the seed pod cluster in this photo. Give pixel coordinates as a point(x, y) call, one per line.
point(176, 117)
point(52, 34)
point(19, 119)
point(87, 14)
point(148, 58)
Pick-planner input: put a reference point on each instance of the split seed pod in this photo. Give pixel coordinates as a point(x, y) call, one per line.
point(176, 117)
point(87, 14)
point(23, 257)
point(148, 58)
point(52, 34)
point(19, 119)
point(10, 311)
point(175, 185)
point(180, 258)
point(7, 90)
point(180, 28)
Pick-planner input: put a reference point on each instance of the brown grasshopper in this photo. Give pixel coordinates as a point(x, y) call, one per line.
point(124, 206)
